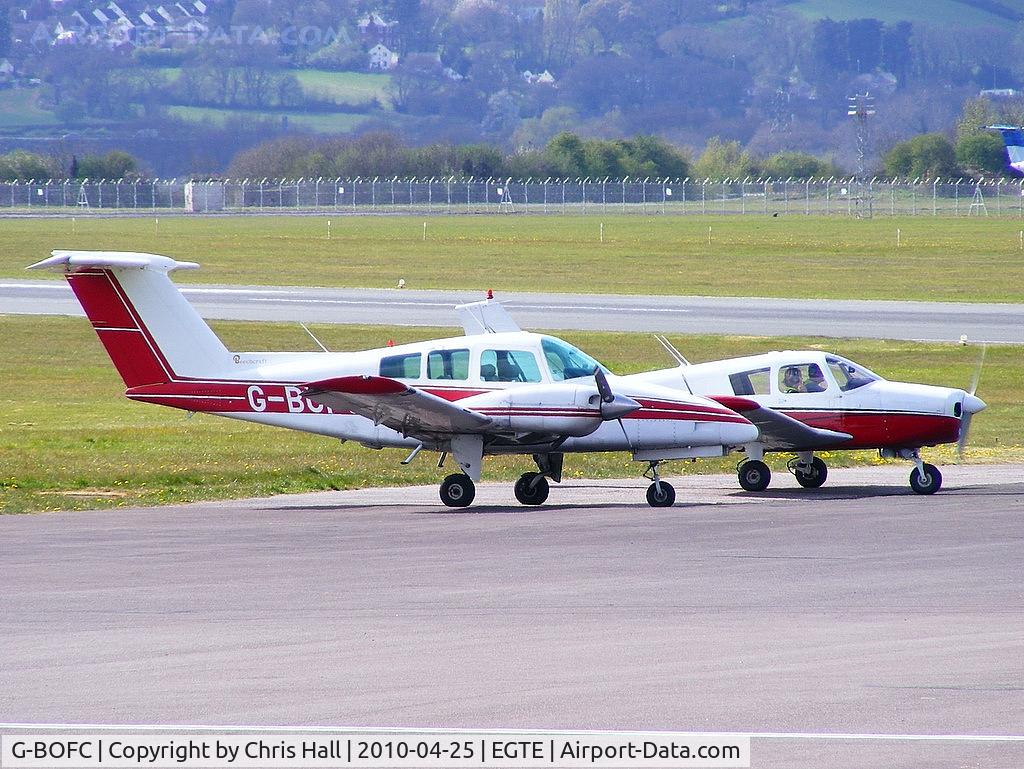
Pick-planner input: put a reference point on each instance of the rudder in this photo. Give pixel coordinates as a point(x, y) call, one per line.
point(149, 330)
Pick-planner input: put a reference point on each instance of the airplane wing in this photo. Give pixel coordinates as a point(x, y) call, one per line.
point(396, 405)
point(780, 431)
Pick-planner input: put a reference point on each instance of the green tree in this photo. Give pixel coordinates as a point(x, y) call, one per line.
point(925, 156)
point(797, 165)
point(976, 116)
point(20, 165)
point(724, 160)
point(114, 165)
point(982, 152)
point(566, 155)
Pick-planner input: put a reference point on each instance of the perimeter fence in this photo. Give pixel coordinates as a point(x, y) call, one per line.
point(766, 197)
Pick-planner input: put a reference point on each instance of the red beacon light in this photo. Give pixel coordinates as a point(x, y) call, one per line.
point(490, 294)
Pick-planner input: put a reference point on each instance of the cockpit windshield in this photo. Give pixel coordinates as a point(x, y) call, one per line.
point(849, 375)
point(566, 361)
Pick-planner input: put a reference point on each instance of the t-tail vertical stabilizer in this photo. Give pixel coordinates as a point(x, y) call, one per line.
point(151, 332)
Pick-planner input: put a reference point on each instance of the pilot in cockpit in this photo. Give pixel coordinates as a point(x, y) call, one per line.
point(792, 380)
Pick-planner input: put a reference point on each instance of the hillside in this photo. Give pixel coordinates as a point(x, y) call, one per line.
point(940, 12)
point(213, 77)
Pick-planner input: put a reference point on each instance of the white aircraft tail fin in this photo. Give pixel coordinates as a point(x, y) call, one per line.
point(151, 332)
point(485, 317)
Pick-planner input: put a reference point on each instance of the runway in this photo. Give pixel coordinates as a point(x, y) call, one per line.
point(925, 321)
point(856, 608)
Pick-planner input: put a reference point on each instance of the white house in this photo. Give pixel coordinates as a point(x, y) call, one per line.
point(382, 58)
point(6, 71)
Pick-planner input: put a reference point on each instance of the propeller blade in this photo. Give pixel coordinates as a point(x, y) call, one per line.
point(603, 387)
point(612, 406)
point(976, 377)
point(965, 429)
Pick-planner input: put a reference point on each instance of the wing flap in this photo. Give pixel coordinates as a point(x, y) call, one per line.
point(394, 404)
point(779, 431)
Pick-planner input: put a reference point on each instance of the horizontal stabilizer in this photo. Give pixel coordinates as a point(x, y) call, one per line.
point(779, 431)
point(113, 260)
point(485, 317)
point(410, 411)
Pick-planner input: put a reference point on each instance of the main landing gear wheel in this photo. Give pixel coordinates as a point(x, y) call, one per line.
point(811, 477)
point(928, 483)
point(663, 497)
point(532, 489)
point(457, 490)
point(754, 475)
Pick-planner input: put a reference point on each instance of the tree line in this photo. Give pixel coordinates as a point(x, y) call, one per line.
point(565, 156)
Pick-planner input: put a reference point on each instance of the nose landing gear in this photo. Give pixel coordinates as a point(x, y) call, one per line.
point(660, 493)
point(925, 478)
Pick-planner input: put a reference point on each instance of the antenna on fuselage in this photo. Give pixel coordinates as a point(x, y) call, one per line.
point(672, 350)
point(313, 336)
point(678, 356)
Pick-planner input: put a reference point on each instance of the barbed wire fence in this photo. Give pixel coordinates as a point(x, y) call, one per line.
point(767, 197)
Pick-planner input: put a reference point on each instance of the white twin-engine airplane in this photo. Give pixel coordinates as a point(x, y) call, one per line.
point(495, 390)
point(804, 401)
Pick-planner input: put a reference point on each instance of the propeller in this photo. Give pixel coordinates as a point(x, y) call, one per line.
point(972, 404)
point(612, 406)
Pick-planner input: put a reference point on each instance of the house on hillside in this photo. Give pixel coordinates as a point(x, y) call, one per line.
point(382, 58)
point(543, 78)
point(375, 28)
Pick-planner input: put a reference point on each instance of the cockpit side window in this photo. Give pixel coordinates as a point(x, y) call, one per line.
point(849, 375)
point(756, 382)
point(565, 361)
point(802, 378)
point(509, 366)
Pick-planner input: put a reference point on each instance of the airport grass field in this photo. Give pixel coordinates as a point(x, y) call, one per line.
point(938, 259)
point(69, 440)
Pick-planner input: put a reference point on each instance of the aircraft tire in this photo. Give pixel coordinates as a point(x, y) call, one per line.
point(458, 490)
point(665, 498)
point(816, 477)
point(754, 475)
point(532, 496)
point(931, 482)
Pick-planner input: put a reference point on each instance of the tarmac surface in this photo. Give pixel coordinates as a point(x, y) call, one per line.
point(926, 321)
point(859, 609)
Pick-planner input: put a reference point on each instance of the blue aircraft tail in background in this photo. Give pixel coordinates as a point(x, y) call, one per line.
point(1013, 138)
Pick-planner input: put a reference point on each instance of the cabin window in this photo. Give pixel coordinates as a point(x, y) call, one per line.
point(802, 378)
point(448, 364)
point(509, 366)
point(401, 366)
point(756, 382)
point(565, 361)
point(849, 375)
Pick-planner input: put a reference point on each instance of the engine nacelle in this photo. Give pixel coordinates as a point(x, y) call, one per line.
point(561, 409)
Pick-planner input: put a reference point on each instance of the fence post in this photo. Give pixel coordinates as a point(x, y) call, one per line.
point(999, 205)
point(704, 196)
point(935, 197)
